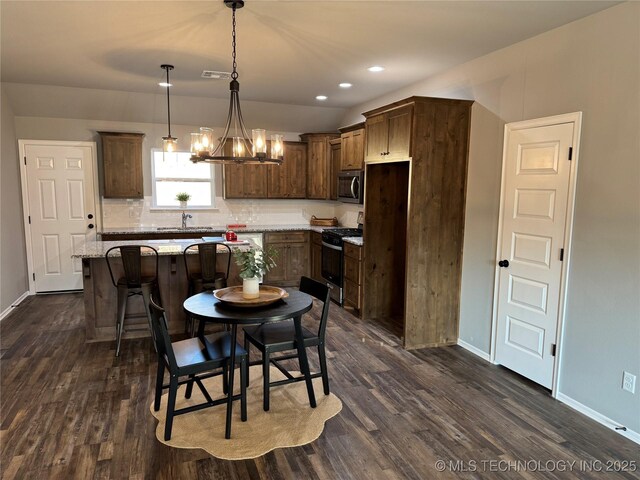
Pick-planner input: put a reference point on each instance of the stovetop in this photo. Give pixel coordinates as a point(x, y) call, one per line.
point(343, 232)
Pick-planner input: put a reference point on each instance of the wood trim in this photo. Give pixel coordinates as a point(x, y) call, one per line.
point(14, 304)
point(414, 99)
point(351, 128)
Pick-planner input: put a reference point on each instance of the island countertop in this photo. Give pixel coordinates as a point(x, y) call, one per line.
point(143, 230)
point(98, 249)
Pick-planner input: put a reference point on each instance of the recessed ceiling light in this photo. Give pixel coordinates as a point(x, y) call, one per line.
point(322, 98)
point(376, 68)
point(345, 85)
point(165, 84)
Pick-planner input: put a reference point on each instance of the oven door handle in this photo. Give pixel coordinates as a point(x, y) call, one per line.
point(333, 247)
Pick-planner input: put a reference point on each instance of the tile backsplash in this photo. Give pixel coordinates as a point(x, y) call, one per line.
point(119, 213)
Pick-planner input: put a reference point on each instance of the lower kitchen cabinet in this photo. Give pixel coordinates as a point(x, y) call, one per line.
point(316, 256)
point(352, 277)
point(292, 261)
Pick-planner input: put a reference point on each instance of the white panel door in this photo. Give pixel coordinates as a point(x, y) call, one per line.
point(536, 191)
point(60, 194)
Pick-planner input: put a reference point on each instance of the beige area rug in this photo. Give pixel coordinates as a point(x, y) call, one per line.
point(290, 422)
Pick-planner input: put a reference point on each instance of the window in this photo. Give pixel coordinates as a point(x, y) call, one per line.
point(175, 174)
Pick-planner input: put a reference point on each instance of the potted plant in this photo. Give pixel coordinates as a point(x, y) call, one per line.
point(253, 263)
point(183, 198)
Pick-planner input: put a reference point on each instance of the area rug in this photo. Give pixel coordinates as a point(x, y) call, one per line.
point(290, 422)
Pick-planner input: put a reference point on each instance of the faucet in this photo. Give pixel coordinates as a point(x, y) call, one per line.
point(185, 216)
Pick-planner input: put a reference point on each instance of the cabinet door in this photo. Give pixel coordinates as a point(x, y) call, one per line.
point(347, 151)
point(376, 137)
point(298, 262)
point(399, 132)
point(122, 161)
point(289, 180)
point(278, 274)
point(356, 160)
point(317, 169)
point(316, 262)
point(336, 161)
point(233, 181)
point(255, 181)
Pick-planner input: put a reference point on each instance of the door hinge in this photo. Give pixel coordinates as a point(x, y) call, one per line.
point(562, 254)
point(25, 160)
point(34, 276)
point(29, 219)
point(570, 153)
point(553, 349)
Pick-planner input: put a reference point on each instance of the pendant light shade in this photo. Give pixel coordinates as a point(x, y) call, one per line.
point(169, 143)
point(234, 147)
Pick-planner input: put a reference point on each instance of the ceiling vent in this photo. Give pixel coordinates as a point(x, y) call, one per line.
point(212, 74)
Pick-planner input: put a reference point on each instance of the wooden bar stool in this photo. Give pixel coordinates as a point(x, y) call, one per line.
point(133, 283)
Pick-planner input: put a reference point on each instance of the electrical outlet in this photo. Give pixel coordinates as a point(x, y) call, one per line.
point(629, 382)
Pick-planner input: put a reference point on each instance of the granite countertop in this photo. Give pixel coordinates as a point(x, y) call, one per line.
point(212, 229)
point(354, 240)
point(98, 249)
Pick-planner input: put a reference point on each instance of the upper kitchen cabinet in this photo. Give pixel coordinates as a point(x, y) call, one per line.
point(353, 139)
point(336, 161)
point(245, 181)
point(319, 174)
point(388, 133)
point(122, 164)
point(289, 180)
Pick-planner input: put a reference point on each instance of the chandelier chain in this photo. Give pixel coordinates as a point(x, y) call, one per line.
point(234, 74)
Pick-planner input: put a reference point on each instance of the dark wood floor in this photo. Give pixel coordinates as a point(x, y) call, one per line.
point(72, 410)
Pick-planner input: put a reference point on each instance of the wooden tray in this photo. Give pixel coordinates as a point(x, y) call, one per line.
point(323, 222)
point(233, 296)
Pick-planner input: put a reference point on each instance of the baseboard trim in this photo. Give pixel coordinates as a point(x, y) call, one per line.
point(13, 305)
point(475, 350)
point(598, 417)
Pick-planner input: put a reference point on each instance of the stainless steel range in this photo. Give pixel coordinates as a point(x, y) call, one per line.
point(332, 258)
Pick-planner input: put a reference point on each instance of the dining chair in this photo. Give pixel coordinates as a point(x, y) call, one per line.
point(277, 337)
point(208, 278)
point(134, 282)
point(197, 359)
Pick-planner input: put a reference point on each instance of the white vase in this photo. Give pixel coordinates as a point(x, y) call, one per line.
point(251, 288)
point(183, 204)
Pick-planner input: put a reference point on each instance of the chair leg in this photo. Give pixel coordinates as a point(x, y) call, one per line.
point(265, 380)
point(123, 294)
point(159, 382)
point(244, 371)
point(146, 299)
point(190, 383)
point(225, 378)
point(247, 346)
point(323, 368)
point(171, 406)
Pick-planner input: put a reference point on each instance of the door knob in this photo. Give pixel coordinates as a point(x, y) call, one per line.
point(90, 225)
point(503, 263)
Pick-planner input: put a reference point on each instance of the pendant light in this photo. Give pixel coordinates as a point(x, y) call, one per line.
point(235, 147)
point(169, 143)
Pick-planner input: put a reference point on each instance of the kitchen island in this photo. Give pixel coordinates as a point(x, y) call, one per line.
point(100, 296)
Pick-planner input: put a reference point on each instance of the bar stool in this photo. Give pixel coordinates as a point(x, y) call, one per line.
point(133, 283)
point(208, 278)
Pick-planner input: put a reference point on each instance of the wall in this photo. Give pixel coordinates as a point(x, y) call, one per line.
point(13, 257)
point(130, 213)
point(591, 65)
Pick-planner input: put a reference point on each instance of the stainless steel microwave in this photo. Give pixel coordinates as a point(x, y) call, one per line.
point(351, 186)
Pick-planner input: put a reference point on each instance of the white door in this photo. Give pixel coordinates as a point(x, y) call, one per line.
point(61, 211)
point(536, 185)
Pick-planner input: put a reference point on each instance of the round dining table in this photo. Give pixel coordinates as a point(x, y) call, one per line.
point(206, 308)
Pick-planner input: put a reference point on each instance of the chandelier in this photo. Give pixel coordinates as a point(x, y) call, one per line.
point(235, 146)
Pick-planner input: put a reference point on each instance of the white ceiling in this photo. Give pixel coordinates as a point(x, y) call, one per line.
point(288, 51)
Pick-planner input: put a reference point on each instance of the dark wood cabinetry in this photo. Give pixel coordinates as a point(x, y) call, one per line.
point(288, 180)
point(388, 133)
point(414, 222)
point(292, 261)
point(336, 160)
point(353, 277)
point(319, 171)
point(353, 143)
point(122, 164)
point(316, 256)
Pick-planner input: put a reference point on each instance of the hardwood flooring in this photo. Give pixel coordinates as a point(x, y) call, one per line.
point(73, 410)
